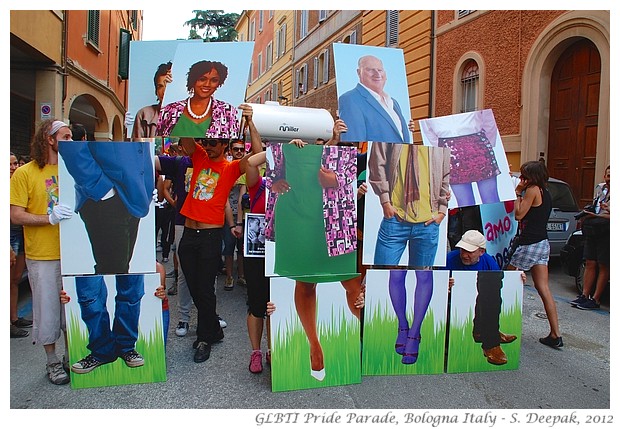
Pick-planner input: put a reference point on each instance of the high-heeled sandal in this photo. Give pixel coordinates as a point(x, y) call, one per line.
point(410, 358)
point(400, 340)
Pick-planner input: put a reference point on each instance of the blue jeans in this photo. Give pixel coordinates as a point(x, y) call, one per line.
point(104, 344)
point(393, 237)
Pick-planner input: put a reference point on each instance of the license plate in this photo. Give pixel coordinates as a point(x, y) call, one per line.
point(556, 226)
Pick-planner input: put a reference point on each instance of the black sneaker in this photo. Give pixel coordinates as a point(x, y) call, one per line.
point(203, 351)
point(555, 343)
point(22, 323)
point(133, 359)
point(86, 365)
point(589, 304)
point(579, 300)
point(18, 332)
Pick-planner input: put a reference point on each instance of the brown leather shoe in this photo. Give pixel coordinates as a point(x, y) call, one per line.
point(503, 338)
point(495, 356)
point(506, 338)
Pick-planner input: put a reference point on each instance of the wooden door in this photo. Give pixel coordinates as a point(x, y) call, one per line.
point(573, 118)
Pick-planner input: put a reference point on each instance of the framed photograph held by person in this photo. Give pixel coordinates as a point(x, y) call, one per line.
point(254, 236)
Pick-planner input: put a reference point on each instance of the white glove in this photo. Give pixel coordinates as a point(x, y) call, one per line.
point(60, 212)
point(129, 120)
point(158, 203)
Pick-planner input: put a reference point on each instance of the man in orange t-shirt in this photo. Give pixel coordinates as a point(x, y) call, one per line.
point(200, 248)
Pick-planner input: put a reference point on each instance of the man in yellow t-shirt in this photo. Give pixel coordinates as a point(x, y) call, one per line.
point(34, 204)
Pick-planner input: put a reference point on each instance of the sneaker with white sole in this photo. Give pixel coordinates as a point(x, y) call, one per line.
point(223, 323)
point(133, 359)
point(86, 365)
point(56, 373)
point(182, 329)
point(229, 284)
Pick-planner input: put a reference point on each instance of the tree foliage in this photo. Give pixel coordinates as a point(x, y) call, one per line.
point(216, 25)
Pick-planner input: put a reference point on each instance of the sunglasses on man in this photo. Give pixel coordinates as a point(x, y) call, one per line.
point(210, 142)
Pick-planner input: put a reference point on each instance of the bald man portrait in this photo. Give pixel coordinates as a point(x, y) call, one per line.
point(369, 112)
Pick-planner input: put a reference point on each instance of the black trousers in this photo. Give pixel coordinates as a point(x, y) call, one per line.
point(112, 232)
point(488, 307)
point(200, 255)
point(164, 221)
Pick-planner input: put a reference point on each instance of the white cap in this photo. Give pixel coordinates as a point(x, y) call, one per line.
point(472, 240)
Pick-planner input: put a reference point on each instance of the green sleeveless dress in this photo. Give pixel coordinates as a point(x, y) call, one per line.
point(301, 250)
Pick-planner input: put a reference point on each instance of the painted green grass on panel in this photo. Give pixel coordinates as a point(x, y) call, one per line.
point(291, 354)
point(151, 347)
point(464, 355)
point(378, 355)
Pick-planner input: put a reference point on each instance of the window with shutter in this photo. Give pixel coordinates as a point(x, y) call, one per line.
point(134, 19)
point(274, 91)
point(93, 27)
point(303, 24)
point(269, 56)
point(316, 72)
point(391, 33)
point(325, 66)
point(123, 54)
point(463, 13)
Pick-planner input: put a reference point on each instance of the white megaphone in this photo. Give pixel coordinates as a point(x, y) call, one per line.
point(278, 123)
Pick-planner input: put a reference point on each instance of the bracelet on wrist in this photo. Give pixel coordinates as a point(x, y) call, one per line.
point(233, 226)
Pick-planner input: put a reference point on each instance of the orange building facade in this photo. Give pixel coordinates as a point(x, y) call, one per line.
point(546, 76)
point(71, 65)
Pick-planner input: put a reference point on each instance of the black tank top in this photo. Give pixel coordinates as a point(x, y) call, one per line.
point(534, 223)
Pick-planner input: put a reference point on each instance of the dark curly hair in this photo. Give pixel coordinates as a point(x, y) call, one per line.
point(202, 67)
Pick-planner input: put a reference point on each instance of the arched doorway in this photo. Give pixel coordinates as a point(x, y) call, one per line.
point(573, 118)
point(86, 110)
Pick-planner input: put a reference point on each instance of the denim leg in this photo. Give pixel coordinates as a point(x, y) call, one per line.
point(92, 295)
point(391, 241)
point(423, 244)
point(129, 293)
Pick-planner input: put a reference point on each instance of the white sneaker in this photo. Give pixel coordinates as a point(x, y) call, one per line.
point(182, 329)
point(223, 323)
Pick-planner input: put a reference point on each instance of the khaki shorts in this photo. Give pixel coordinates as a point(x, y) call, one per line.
point(47, 312)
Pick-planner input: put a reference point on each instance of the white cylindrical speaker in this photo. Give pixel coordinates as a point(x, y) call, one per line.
point(284, 123)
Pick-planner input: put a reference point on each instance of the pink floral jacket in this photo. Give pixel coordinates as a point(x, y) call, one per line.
point(224, 124)
point(339, 204)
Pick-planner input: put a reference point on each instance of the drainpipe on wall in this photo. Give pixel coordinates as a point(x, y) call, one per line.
point(63, 66)
point(431, 86)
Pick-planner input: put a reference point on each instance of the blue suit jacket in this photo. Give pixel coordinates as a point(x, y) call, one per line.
point(367, 121)
point(97, 167)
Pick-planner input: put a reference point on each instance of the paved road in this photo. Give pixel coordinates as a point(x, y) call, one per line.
point(576, 377)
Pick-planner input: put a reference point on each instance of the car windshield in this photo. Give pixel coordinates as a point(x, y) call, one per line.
point(562, 197)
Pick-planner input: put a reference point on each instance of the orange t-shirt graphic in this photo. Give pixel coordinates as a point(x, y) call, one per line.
point(210, 185)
